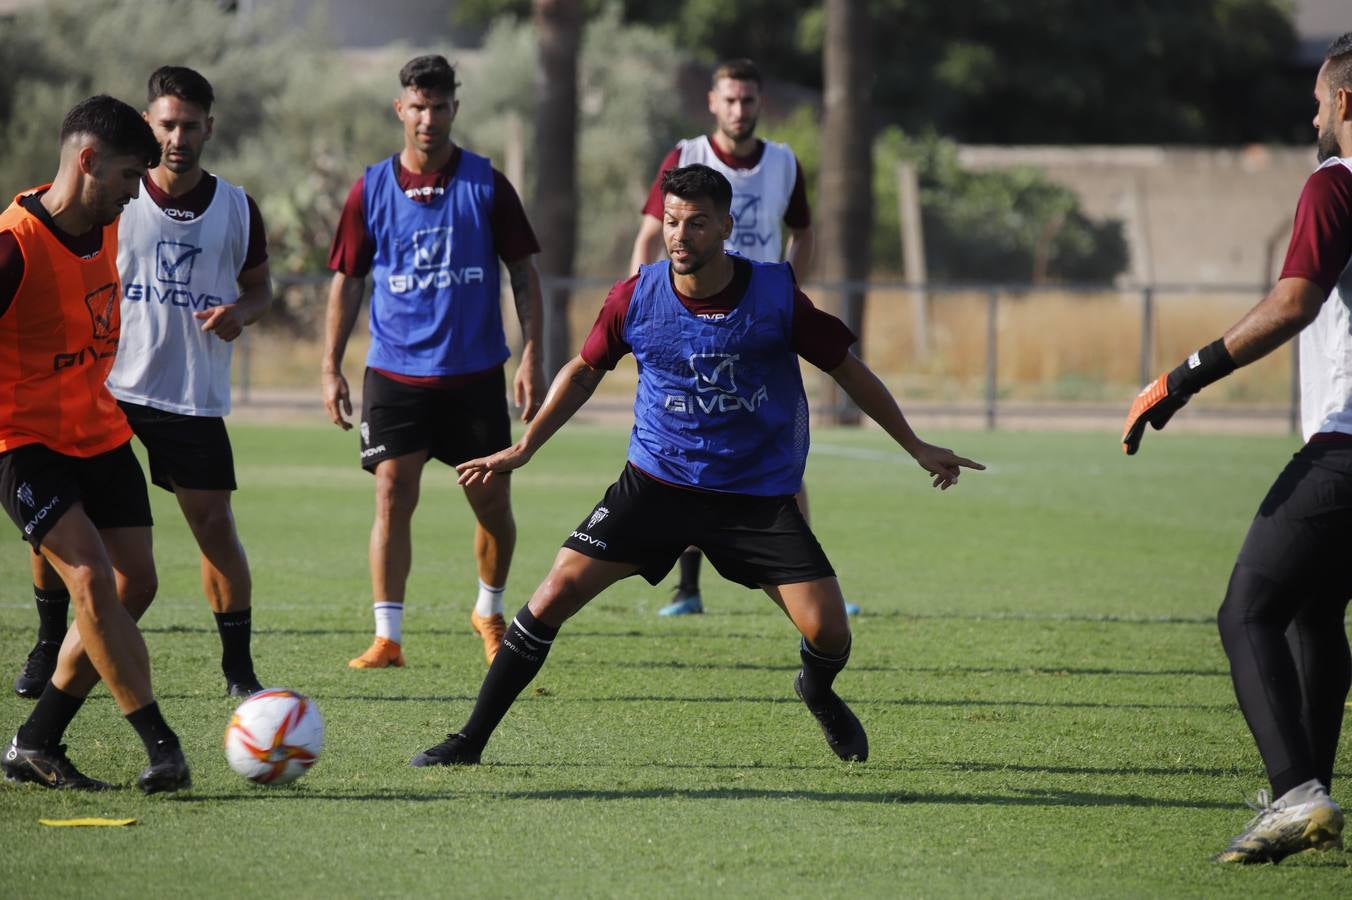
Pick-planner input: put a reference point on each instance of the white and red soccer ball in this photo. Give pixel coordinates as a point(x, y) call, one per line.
point(274, 737)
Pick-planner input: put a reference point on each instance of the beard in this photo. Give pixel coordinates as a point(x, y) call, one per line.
point(1328, 144)
point(740, 132)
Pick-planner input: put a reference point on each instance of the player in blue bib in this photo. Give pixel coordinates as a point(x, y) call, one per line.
point(717, 451)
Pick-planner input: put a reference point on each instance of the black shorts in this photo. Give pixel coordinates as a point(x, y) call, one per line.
point(187, 451)
point(451, 424)
point(38, 485)
point(751, 540)
point(1304, 524)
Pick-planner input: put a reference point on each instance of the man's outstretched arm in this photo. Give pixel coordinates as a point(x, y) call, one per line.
point(572, 387)
point(872, 396)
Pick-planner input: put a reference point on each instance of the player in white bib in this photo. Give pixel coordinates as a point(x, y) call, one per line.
point(769, 198)
point(192, 257)
point(1282, 622)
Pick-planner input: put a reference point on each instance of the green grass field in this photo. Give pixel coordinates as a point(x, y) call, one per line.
point(1037, 664)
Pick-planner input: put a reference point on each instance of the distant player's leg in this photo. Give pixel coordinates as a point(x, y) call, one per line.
point(1289, 566)
point(398, 481)
point(817, 610)
point(226, 581)
point(53, 604)
point(571, 583)
point(686, 600)
point(494, 543)
point(851, 609)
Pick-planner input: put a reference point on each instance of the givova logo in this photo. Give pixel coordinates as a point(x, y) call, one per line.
point(101, 303)
point(715, 387)
point(431, 248)
point(174, 261)
point(746, 234)
point(431, 264)
point(746, 210)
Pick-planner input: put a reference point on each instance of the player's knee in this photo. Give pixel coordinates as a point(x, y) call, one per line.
point(93, 589)
point(139, 590)
point(559, 596)
point(1251, 600)
point(830, 636)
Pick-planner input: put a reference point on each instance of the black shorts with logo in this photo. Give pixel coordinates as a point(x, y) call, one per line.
point(187, 451)
point(451, 424)
point(38, 486)
point(751, 540)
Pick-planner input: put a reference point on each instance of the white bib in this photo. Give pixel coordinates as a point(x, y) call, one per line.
point(760, 196)
point(1326, 357)
point(171, 269)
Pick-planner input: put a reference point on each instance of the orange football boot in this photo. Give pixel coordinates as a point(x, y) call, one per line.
point(382, 654)
point(491, 629)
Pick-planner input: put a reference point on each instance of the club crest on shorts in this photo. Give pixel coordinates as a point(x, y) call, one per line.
point(25, 495)
point(102, 303)
point(365, 433)
point(597, 515)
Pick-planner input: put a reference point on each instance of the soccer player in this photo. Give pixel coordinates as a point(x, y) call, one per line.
point(68, 477)
point(1282, 619)
point(192, 254)
point(718, 447)
point(767, 189)
point(430, 224)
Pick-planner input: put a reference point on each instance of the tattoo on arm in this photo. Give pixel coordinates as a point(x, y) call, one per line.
point(519, 272)
point(587, 378)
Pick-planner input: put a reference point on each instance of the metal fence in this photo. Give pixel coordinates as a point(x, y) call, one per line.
point(914, 314)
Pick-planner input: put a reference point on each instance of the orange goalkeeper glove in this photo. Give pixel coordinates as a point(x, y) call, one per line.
point(1169, 393)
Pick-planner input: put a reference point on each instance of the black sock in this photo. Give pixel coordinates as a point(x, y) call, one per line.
point(689, 568)
point(820, 670)
point(53, 608)
point(154, 732)
point(235, 629)
point(524, 648)
point(49, 719)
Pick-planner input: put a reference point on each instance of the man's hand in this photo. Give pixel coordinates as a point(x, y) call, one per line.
point(1155, 404)
point(528, 387)
point(337, 400)
point(943, 464)
point(482, 469)
point(221, 321)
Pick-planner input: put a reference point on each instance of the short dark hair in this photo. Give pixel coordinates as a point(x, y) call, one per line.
point(738, 70)
point(116, 125)
point(696, 182)
point(186, 84)
point(429, 73)
point(1339, 56)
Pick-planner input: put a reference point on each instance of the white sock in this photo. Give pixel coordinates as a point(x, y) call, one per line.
point(390, 621)
point(490, 600)
point(1303, 793)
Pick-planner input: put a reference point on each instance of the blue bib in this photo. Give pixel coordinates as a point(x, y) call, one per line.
point(720, 404)
point(435, 307)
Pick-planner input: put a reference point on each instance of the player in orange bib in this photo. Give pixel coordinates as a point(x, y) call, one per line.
point(68, 478)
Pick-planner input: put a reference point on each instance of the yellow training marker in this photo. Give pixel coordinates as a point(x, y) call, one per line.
point(93, 823)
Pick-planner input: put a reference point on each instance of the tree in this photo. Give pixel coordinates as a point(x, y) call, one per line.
point(847, 160)
point(558, 30)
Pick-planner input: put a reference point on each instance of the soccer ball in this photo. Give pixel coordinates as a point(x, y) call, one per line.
point(274, 737)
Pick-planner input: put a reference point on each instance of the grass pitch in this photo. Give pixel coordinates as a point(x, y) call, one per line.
point(1037, 665)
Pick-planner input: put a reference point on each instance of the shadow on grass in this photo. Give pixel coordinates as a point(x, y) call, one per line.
point(1029, 797)
point(556, 695)
point(922, 670)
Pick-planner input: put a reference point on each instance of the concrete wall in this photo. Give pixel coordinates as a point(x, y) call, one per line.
point(1191, 215)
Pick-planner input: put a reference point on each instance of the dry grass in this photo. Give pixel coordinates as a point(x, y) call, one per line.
point(1052, 347)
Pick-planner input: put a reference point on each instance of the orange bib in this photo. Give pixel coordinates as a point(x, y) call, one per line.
point(57, 343)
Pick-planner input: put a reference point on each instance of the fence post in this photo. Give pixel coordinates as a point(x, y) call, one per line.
point(1147, 333)
point(992, 307)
